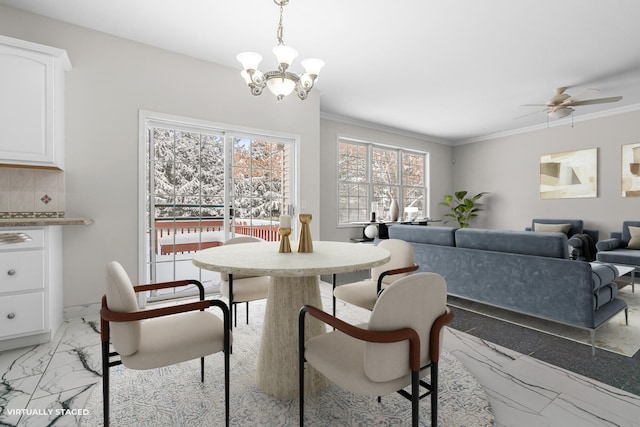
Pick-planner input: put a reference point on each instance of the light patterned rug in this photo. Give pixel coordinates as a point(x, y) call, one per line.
point(174, 396)
point(614, 336)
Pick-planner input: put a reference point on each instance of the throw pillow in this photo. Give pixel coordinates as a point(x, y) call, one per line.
point(634, 242)
point(558, 228)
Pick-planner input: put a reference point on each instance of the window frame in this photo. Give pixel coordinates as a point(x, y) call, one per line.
point(399, 186)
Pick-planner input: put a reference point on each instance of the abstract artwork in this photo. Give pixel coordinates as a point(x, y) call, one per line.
point(631, 170)
point(570, 174)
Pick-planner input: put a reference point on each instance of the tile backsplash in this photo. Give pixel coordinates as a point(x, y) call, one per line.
point(27, 193)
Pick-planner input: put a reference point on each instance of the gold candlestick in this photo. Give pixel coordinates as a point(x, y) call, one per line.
point(305, 244)
point(285, 244)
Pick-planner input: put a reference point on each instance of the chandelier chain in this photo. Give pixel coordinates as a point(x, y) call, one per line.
point(280, 30)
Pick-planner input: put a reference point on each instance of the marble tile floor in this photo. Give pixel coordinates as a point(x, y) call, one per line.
point(49, 385)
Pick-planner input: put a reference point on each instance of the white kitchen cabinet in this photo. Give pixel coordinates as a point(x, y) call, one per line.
point(32, 78)
point(31, 303)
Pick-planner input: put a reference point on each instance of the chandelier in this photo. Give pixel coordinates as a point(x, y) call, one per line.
point(281, 82)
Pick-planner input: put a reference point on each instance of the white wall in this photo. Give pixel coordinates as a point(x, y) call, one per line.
point(508, 168)
point(441, 178)
point(111, 80)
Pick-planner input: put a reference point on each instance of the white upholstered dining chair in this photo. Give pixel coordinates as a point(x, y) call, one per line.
point(365, 292)
point(399, 346)
point(241, 288)
point(153, 338)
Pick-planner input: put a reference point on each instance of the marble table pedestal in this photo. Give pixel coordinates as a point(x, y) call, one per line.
point(277, 367)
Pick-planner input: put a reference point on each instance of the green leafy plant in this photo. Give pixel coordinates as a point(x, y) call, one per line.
point(463, 208)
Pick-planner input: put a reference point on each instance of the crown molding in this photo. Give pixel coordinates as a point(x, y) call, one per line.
point(561, 122)
point(383, 128)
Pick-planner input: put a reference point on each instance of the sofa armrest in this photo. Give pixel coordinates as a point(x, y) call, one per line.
point(602, 274)
point(608, 244)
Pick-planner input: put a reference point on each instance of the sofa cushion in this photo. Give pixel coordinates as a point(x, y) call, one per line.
point(558, 228)
point(620, 256)
point(576, 225)
point(604, 295)
point(518, 242)
point(634, 241)
point(441, 236)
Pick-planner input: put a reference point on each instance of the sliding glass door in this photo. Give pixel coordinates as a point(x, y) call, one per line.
point(204, 185)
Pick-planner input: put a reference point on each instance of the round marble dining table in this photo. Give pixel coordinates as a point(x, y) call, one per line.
point(294, 283)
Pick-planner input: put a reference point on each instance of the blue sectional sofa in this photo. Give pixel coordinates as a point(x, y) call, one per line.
point(526, 272)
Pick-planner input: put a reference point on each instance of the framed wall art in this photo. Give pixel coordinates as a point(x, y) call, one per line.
point(570, 174)
point(631, 170)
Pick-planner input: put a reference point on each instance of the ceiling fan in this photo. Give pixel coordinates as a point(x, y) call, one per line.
point(561, 104)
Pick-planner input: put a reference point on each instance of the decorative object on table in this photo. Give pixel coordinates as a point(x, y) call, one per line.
point(569, 175)
point(394, 210)
point(631, 170)
point(285, 230)
point(281, 82)
point(463, 209)
point(412, 213)
point(304, 242)
point(374, 209)
point(371, 231)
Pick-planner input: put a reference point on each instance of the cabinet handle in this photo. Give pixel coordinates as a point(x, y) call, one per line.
point(11, 316)
point(11, 272)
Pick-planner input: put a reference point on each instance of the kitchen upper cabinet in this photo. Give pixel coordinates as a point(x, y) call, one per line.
point(32, 103)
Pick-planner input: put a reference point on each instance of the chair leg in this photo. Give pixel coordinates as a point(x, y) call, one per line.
point(105, 383)
point(247, 305)
point(301, 366)
point(333, 282)
point(202, 369)
point(231, 306)
point(226, 387)
point(434, 394)
point(415, 399)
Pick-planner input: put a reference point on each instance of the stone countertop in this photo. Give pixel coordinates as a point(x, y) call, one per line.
point(32, 222)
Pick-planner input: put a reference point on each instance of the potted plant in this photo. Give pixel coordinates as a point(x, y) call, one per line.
point(463, 208)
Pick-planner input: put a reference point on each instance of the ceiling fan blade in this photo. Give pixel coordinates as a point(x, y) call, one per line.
point(534, 105)
point(585, 93)
point(530, 114)
point(596, 101)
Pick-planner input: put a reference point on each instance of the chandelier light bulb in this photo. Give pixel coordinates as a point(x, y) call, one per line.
point(312, 65)
point(249, 60)
point(285, 54)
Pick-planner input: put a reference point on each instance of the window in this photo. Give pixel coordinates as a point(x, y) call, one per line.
point(371, 175)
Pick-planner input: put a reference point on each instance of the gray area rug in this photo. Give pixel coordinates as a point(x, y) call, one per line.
point(174, 395)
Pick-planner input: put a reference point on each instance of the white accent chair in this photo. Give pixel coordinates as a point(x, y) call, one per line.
point(153, 338)
point(240, 288)
point(364, 293)
point(399, 346)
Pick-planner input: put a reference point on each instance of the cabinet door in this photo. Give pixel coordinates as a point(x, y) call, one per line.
point(26, 106)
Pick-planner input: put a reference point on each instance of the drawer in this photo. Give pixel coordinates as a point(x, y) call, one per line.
point(21, 314)
point(21, 271)
point(36, 242)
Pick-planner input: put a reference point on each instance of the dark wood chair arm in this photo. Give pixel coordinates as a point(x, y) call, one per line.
point(409, 269)
point(365, 334)
point(434, 337)
point(107, 315)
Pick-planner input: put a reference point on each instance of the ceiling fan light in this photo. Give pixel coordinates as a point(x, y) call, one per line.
point(559, 113)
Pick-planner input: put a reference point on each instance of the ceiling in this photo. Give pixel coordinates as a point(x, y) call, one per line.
point(454, 71)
